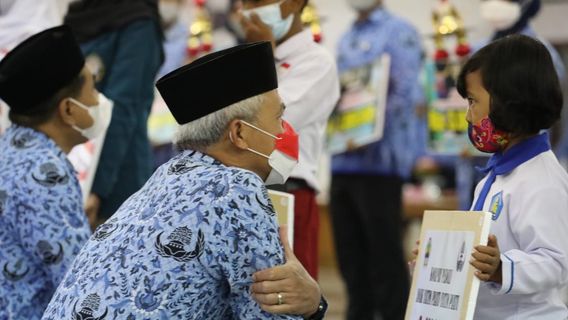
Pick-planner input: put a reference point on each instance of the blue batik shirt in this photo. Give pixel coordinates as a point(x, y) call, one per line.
point(361, 45)
point(42, 222)
point(184, 246)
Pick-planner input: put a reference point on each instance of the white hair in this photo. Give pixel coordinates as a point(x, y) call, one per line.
point(206, 131)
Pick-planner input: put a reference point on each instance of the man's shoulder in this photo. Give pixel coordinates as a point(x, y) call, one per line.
point(390, 28)
point(245, 179)
point(33, 165)
point(241, 190)
point(312, 53)
point(211, 179)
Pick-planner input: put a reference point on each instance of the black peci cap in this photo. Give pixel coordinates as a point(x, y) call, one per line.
point(39, 67)
point(218, 80)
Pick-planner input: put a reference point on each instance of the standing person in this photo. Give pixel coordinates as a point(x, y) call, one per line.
point(514, 94)
point(175, 36)
point(186, 245)
point(123, 38)
point(309, 86)
point(53, 107)
point(366, 186)
point(161, 125)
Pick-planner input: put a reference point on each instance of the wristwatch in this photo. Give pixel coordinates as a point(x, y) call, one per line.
point(322, 308)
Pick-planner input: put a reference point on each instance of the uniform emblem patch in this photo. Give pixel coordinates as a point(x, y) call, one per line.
point(496, 205)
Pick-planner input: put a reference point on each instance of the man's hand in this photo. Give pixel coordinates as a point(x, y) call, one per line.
point(299, 293)
point(487, 261)
point(256, 30)
point(92, 209)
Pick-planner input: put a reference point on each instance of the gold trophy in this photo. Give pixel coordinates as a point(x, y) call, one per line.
point(448, 22)
point(200, 39)
point(311, 19)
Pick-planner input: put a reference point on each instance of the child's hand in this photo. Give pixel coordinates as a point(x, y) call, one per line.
point(412, 262)
point(487, 261)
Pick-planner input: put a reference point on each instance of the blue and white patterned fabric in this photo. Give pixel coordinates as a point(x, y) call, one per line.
point(362, 44)
point(183, 247)
point(42, 222)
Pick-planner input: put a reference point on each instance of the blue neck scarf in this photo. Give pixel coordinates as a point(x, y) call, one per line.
point(503, 163)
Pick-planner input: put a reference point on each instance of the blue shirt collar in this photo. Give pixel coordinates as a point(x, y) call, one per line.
point(197, 156)
point(503, 163)
point(378, 16)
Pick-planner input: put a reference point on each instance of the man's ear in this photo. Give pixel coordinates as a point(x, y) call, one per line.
point(66, 110)
point(238, 134)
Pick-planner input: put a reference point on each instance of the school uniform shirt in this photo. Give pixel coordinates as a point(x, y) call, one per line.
point(42, 222)
point(309, 87)
point(183, 247)
point(529, 202)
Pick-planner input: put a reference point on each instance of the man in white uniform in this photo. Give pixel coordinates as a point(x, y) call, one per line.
point(309, 87)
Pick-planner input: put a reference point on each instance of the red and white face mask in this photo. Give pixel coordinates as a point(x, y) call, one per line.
point(284, 158)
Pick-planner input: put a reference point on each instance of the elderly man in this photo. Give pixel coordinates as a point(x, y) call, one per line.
point(53, 107)
point(187, 244)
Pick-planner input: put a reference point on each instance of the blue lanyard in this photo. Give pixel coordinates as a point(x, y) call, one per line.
point(500, 163)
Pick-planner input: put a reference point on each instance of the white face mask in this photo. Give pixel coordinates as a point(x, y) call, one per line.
point(272, 16)
point(168, 11)
point(362, 5)
point(501, 14)
point(280, 161)
point(101, 115)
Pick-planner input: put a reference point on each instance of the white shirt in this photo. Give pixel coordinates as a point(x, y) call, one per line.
point(532, 233)
point(309, 87)
point(23, 18)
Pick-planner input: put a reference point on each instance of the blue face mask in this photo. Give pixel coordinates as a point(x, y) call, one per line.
point(272, 16)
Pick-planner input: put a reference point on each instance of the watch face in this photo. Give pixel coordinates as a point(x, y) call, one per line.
point(322, 308)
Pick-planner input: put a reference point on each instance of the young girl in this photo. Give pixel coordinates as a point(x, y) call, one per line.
point(514, 94)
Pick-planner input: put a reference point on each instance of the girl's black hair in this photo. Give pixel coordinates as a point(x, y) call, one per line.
point(519, 75)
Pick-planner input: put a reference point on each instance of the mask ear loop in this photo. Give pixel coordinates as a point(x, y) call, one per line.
point(79, 104)
point(249, 149)
point(263, 131)
point(82, 106)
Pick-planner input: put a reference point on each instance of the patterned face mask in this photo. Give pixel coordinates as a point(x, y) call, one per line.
point(486, 138)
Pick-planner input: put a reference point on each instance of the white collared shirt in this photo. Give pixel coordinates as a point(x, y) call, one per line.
point(309, 87)
point(23, 18)
point(530, 208)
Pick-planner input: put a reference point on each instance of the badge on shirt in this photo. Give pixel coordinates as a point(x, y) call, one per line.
point(496, 205)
